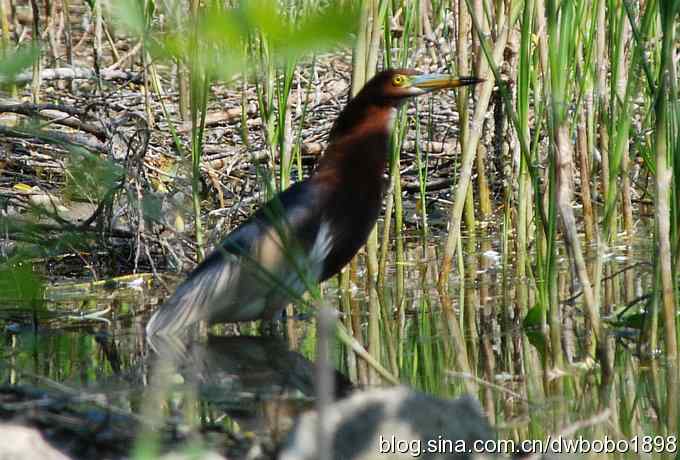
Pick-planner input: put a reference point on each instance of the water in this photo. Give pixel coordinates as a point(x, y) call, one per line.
point(243, 383)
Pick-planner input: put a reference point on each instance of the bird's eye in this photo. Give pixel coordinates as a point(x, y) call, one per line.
point(398, 80)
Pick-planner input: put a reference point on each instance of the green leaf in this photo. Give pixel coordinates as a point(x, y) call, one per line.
point(16, 62)
point(327, 28)
point(215, 41)
point(129, 15)
point(89, 176)
point(152, 207)
point(19, 284)
point(532, 328)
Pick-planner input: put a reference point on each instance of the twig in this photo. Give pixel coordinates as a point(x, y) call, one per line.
point(56, 113)
point(79, 396)
point(56, 137)
point(95, 315)
point(77, 73)
point(486, 383)
point(126, 56)
point(573, 428)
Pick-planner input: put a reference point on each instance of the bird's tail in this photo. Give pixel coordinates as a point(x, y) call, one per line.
point(191, 302)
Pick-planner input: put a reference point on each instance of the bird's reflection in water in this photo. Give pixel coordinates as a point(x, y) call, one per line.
point(259, 382)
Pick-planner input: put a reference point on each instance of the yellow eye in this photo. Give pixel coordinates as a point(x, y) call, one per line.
point(398, 80)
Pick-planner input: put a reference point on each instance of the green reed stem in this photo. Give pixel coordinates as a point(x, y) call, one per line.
point(283, 130)
point(666, 128)
point(524, 198)
point(200, 86)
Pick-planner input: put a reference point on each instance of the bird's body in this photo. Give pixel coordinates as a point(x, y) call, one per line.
point(308, 232)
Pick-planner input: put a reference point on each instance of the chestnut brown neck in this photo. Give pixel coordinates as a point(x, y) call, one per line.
point(358, 144)
point(350, 176)
point(359, 112)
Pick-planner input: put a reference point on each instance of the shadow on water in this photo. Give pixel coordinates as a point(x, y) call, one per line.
point(259, 382)
point(100, 389)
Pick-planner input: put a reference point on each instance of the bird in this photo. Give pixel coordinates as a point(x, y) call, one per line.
point(310, 231)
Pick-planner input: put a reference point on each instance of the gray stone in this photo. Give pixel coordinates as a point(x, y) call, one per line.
point(392, 423)
point(24, 443)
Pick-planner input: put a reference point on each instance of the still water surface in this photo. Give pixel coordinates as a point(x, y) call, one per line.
point(255, 384)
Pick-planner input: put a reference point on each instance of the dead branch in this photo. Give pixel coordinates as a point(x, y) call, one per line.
point(77, 73)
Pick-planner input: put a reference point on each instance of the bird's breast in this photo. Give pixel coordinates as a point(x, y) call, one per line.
point(350, 217)
point(351, 175)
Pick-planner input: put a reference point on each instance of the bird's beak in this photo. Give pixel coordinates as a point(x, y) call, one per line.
point(431, 82)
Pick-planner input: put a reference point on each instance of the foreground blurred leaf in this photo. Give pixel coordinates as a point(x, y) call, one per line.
point(90, 177)
point(329, 27)
point(217, 39)
point(152, 207)
point(16, 62)
point(19, 284)
point(129, 15)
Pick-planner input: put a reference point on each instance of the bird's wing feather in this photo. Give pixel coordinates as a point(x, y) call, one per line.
point(254, 266)
point(192, 298)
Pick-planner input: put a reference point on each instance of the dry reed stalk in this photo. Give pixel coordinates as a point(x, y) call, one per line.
point(482, 181)
point(365, 58)
point(36, 80)
point(563, 163)
point(584, 173)
point(68, 39)
point(626, 190)
point(626, 199)
point(468, 155)
point(463, 62)
point(50, 17)
point(98, 52)
point(601, 104)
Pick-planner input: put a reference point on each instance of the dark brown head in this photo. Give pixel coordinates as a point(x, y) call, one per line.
point(392, 87)
point(387, 90)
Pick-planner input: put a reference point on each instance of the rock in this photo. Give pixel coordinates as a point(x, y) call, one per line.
point(26, 444)
point(207, 455)
point(394, 423)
